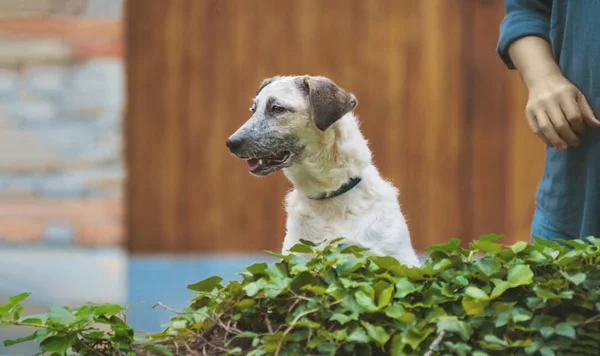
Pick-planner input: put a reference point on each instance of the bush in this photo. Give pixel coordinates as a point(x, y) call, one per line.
point(527, 299)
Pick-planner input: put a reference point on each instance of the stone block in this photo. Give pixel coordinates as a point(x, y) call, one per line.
point(22, 152)
point(61, 111)
point(100, 234)
point(58, 232)
point(9, 82)
point(44, 79)
point(91, 221)
point(17, 229)
point(20, 50)
point(95, 84)
point(17, 190)
point(36, 111)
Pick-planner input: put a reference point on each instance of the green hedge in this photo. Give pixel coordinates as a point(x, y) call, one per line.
point(525, 299)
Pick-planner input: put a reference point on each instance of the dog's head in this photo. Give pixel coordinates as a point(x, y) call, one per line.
point(288, 114)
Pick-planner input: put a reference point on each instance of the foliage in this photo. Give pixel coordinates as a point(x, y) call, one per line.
point(526, 299)
point(92, 329)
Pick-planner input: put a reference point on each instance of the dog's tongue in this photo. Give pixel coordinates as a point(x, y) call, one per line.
point(252, 164)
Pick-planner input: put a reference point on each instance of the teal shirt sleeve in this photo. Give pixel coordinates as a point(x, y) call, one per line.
point(523, 18)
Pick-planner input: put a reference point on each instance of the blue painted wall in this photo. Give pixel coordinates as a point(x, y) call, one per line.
point(164, 279)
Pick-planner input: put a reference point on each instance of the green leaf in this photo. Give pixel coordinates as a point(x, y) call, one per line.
point(398, 312)
point(60, 315)
point(547, 331)
point(359, 335)
point(447, 247)
point(351, 265)
point(245, 303)
point(519, 275)
point(404, 287)
point(459, 348)
point(343, 318)
point(491, 237)
point(543, 320)
point(576, 278)
point(159, 350)
point(415, 337)
point(314, 289)
point(38, 334)
point(301, 248)
point(593, 240)
point(35, 319)
point(544, 293)
point(365, 301)
point(397, 347)
point(488, 265)
point(385, 262)
point(58, 344)
point(16, 299)
point(257, 268)
point(452, 324)
point(473, 307)
point(383, 292)
point(499, 289)
point(476, 293)
point(376, 333)
point(205, 285)
point(107, 309)
point(518, 247)
point(461, 281)
point(486, 246)
point(547, 351)
point(565, 329)
point(253, 288)
point(493, 339)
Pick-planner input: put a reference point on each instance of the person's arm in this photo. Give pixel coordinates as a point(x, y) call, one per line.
point(556, 110)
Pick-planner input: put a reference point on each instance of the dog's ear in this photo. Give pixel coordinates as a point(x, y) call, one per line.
point(328, 101)
point(266, 82)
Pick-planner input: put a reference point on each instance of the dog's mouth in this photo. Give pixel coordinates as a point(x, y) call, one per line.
point(268, 164)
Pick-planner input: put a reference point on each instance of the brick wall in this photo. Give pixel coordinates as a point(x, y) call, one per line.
point(61, 143)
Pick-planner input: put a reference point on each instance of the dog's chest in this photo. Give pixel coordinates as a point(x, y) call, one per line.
point(313, 226)
point(316, 222)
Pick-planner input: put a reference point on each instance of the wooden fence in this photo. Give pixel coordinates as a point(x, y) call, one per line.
point(443, 115)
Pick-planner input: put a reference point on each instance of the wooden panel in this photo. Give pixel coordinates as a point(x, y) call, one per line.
point(194, 66)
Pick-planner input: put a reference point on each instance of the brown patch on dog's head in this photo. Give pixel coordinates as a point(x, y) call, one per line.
point(328, 102)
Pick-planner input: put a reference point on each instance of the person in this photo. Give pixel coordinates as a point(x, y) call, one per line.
point(555, 47)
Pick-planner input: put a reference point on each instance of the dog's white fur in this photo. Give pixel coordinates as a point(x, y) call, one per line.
point(368, 215)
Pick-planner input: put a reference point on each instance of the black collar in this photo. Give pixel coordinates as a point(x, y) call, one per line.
point(341, 190)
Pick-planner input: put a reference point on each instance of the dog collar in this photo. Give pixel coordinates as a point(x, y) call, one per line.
point(341, 190)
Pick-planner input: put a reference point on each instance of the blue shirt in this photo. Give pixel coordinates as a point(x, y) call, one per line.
point(569, 191)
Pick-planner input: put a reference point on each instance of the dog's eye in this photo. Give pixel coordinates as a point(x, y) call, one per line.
point(253, 109)
point(277, 109)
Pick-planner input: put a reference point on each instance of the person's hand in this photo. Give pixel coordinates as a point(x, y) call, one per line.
point(558, 112)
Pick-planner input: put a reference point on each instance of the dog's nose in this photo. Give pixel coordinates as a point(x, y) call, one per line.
point(233, 143)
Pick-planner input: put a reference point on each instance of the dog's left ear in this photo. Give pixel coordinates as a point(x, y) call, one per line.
point(328, 101)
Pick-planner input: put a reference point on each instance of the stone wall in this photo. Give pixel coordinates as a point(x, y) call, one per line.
point(61, 143)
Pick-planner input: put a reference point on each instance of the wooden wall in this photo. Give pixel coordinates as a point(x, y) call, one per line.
point(443, 115)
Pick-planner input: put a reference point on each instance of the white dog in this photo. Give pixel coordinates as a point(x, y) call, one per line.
point(304, 125)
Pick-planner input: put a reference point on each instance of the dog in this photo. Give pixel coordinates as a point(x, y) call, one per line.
point(304, 125)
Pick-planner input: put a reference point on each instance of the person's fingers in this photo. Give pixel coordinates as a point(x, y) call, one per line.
point(587, 112)
point(531, 120)
point(573, 114)
point(549, 131)
point(562, 126)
